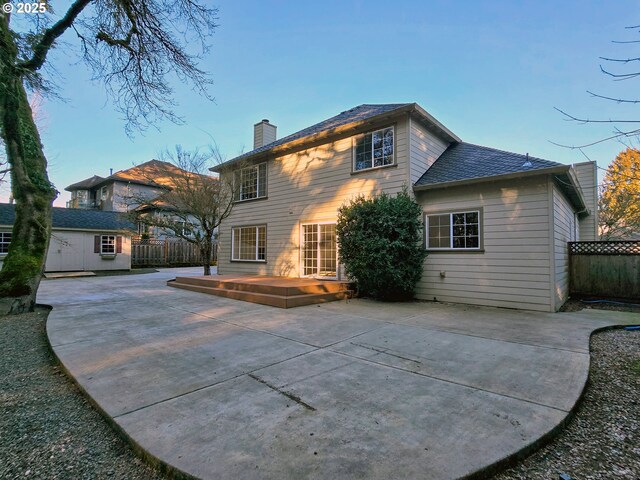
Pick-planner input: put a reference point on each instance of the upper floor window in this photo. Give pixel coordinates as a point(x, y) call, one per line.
point(374, 149)
point(251, 182)
point(5, 240)
point(454, 231)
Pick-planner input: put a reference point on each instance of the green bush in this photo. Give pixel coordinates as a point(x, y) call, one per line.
point(381, 245)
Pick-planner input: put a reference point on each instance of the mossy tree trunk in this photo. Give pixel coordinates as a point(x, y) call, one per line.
point(33, 192)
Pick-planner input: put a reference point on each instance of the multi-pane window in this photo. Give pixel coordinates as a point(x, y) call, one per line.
point(249, 243)
point(5, 240)
point(456, 230)
point(373, 149)
point(108, 244)
point(251, 182)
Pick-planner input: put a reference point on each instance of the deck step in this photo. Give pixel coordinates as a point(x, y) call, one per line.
point(258, 285)
point(288, 298)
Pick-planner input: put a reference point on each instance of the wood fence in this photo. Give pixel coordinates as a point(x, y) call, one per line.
point(170, 252)
point(605, 269)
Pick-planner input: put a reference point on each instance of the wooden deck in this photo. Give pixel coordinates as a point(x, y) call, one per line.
point(283, 292)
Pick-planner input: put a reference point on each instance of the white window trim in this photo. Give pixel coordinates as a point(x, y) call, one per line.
point(259, 194)
point(103, 244)
point(4, 254)
point(301, 255)
point(451, 247)
point(372, 167)
point(233, 237)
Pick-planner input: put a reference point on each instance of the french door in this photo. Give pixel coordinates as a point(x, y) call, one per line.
point(319, 255)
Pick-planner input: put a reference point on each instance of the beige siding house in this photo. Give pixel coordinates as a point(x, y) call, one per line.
point(81, 240)
point(496, 223)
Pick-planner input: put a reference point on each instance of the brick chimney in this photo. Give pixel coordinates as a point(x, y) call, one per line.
point(263, 133)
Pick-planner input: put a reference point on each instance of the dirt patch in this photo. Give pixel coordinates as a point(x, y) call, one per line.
point(615, 304)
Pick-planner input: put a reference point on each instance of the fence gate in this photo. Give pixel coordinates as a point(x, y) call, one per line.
point(164, 253)
point(605, 269)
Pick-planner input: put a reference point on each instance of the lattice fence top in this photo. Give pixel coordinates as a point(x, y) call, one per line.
point(619, 247)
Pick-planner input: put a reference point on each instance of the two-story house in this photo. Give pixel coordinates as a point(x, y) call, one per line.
point(496, 223)
point(125, 190)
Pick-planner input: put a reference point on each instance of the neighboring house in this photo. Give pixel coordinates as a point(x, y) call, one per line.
point(124, 190)
point(496, 223)
point(81, 240)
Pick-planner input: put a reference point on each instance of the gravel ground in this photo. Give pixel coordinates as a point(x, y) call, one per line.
point(602, 441)
point(47, 428)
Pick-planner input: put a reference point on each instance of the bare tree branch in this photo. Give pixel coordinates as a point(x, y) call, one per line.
point(617, 100)
point(50, 35)
point(587, 120)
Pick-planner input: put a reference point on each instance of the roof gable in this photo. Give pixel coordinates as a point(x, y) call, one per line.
point(356, 115)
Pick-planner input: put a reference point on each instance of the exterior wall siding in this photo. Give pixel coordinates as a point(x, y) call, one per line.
point(425, 148)
point(565, 230)
point(121, 196)
point(514, 269)
point(306, 187)
point(72, 251)
point(588, 178)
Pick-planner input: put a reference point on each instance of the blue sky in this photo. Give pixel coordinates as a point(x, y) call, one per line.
point(491, 71)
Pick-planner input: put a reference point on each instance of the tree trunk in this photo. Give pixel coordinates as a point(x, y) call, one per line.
point(33, 192)
point(205, 251)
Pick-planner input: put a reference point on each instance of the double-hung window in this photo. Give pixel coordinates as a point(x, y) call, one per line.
point(5, 240)
point(454, 231)
point(373, 149)
point(108, 245)
point(249, 243)
point(251, 182)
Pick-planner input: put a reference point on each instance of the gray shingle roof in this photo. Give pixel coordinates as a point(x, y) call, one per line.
point(356, 114)
point(75, 218)
point(85, 184)
point(465, 161)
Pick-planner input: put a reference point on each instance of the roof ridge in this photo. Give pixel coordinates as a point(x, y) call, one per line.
point(523, 155)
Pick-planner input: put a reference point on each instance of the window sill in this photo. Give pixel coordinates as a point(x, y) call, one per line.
point(373, 169)
point(108, 256)
point(251, 199)
point(248, 261)
point(455, 250)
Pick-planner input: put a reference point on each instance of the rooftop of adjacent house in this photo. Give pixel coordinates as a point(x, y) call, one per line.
point(466, 161)
point(154, 173)
point(85, 184)
point(72, 218)
point(351, 117)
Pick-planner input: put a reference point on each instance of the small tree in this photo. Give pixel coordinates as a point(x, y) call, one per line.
point(619, 205)
point(381, 245)
point(194, 204)
point(137, 48)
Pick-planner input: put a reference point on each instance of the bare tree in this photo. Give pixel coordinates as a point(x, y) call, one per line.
point(134, 47)
point(194, 204)
point(622, 128)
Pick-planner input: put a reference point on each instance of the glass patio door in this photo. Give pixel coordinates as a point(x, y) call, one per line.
point(319, 252)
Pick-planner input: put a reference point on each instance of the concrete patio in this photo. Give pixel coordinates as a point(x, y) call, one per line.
point(220, 388)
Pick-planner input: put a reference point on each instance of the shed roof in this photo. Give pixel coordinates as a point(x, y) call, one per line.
point(75, 218)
